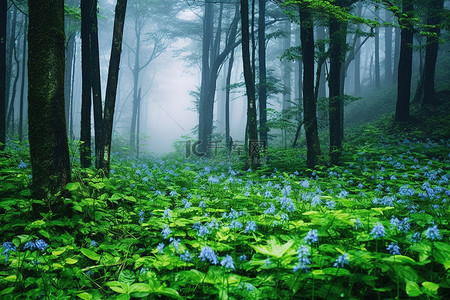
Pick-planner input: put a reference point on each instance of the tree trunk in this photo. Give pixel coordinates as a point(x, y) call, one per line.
point(136, 70)
point(252, 130)
point(433, 19)
point(388, 49)
point(10, 118)
point(96, 85)
point(404, 68)
point(113, 76)
point(262, 87)
point(46, 114)
point(3, 21)
point(377, 54)
point(68, 76)
point(336, 99)
point(10, 56)
point(227, 102)
point(24, 77)
point(86, 69)
point(396, 54)
point(309, 99)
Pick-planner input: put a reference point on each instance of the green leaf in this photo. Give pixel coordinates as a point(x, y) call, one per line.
point(72, 186)
point(85, 296)
point(127, 277)
point(71, 261)
point(90, 254)
point(430, 288)
point(413, 289)
point(10, 278)
point(140, 290)
point(273, 247)
point(117, 287)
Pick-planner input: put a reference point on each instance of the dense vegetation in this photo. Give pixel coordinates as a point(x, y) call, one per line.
point(377, 226)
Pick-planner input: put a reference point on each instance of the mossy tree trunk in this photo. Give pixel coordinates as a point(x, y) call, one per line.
point(3, 15)
point(46, 114)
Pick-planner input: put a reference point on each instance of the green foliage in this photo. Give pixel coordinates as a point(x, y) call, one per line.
point(107, 244)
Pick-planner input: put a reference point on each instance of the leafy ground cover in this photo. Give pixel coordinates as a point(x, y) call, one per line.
point(378, 226)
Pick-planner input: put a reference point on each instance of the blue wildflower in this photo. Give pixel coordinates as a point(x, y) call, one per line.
point(22, 165)
point(173, 193)
point(202, 204)
point(312, 236)
point(433, 233)
point(393, 248)
point(235, 225)
point(251, 226)
point(8, 246)
point(378, 230)
point(166, 213)
point(175, 243)
point(208, 254)
point(186, 256)
point(166, 231)
point(358, 224)
point(227, 262)
point(203, 230)
point(341, 261)
point(243, 257)
point(270, 210)
point(29, 245)
point(160, 248)
point(416, 237)
point(303, 260)
point(138, 172)
point(93, 243)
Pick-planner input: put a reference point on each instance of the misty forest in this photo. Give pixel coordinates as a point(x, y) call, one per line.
point(224, 149)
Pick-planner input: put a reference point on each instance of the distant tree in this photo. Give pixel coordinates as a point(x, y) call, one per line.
point(262, 87)
point(252, 129)
point(3, 21)
point(46, 115)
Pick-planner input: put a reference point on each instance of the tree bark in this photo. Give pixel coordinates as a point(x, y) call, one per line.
point(388, 49)
point(46, 114)
point(404, 68)
point(309, 99)
point(336, 96)
point(113, 76)
point(262, 87)
point(86, 70)
point(433, 19)
point(227, 102)
point(24, 77)
point(252, 130)
point(397, 32)
point(377, 54)
point(3, 21)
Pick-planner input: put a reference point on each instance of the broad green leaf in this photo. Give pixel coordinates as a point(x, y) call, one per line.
point(71, 261)
point(140, 288)
point(430, 288)
point(85, 296)
point(90, 254)
point(273, 247)
point(413, 289)
point(117, 287)
point(10, 278)
point(72, 186)
point(127, 277)
point(7, 291)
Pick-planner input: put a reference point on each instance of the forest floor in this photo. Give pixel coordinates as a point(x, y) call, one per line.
point(376, 226)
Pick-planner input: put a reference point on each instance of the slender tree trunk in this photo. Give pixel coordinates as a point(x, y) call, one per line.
point(336, 101)
point(396, 54)
point(405, 68)
point(86, 69)
point(3, 97)
point(433, 19)
point(388, 49)
point(10, 120)
point(286, 66)
point(24, 77)
point(262, 87)
point(322, 88)
point(309, 99)
point(46, 114)
point(113, 76)
point(136, 71)
point(227, 102)
point(96, 85)
point(71, 133)
point(252, 130)
point(377, 54)
point(10, 56)
point(68, 76)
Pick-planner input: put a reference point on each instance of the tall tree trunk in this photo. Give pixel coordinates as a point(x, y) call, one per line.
point(10, 56)
point(3, 97)
point(309, 99)
point(86, 69)
point(46, 114)
point(227, 102)
point(336, 99)
point(262, 87)
point(252, 129)
point(113, 76)
point(10, 119)
point(377, 53)
point(405, 68)
point(136, 72)
point(96, 85)
point(71, 133)
point(204, 131)
point(433, 19)
point(397, 43)
point(24, 77)
point(68, 76)
point(322, 87)
point(388, 49)
point(286, 66)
